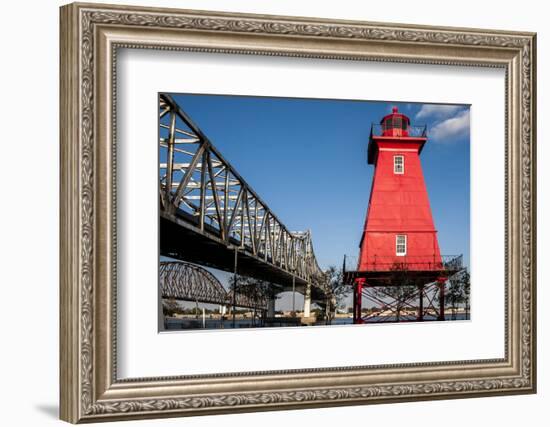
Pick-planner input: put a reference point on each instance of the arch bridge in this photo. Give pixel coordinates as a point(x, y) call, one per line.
point(188, 282)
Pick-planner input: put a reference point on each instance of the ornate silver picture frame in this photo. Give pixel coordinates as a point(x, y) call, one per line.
point(91, 37)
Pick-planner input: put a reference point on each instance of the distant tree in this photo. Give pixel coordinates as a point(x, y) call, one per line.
point(256, 291)
point(338, 288)
point(170, 307)
point(458, 292)
point(335, 281)
point(318, 313)
point(466, 284)
point(453, 296)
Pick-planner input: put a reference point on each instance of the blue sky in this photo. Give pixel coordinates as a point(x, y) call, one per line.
point(307, 159)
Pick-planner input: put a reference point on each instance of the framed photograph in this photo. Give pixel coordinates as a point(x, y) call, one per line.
point(267, 212)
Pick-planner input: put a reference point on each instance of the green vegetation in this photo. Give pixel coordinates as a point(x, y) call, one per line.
point(458, 292)
point(171, 307)
point(251, 288)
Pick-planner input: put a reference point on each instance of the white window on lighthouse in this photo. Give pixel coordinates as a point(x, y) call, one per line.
point(401, 245)
point(399, 164)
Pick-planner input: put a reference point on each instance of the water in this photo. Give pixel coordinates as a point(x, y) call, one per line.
point(390, 319)
point(179, 324)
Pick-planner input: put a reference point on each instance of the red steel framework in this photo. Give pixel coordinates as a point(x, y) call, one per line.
point(399, 259)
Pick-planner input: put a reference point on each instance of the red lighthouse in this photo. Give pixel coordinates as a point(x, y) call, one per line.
point(399, 227)
point(399, 233)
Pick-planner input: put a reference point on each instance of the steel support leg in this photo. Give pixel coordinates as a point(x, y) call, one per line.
point(357, 301)
point(354, 304)
point(271, 307)
point(420, 316)
point(441, 284)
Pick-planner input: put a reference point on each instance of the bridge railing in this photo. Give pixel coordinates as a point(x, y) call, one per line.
point(200, 185)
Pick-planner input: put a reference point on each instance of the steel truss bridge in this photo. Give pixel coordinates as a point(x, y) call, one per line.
point(188, 282)
point(209, 215)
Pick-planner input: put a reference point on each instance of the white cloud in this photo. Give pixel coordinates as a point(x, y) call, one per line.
point(451, 128)
point(437, 111)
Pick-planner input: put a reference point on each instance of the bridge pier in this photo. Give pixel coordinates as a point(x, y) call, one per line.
point(307, 319)
point(307, 301)
point(294, 293)
point(271, 307)
point(160, 312)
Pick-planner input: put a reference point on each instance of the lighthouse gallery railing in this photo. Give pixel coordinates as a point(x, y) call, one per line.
point(417, 131)
point(407, 263)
